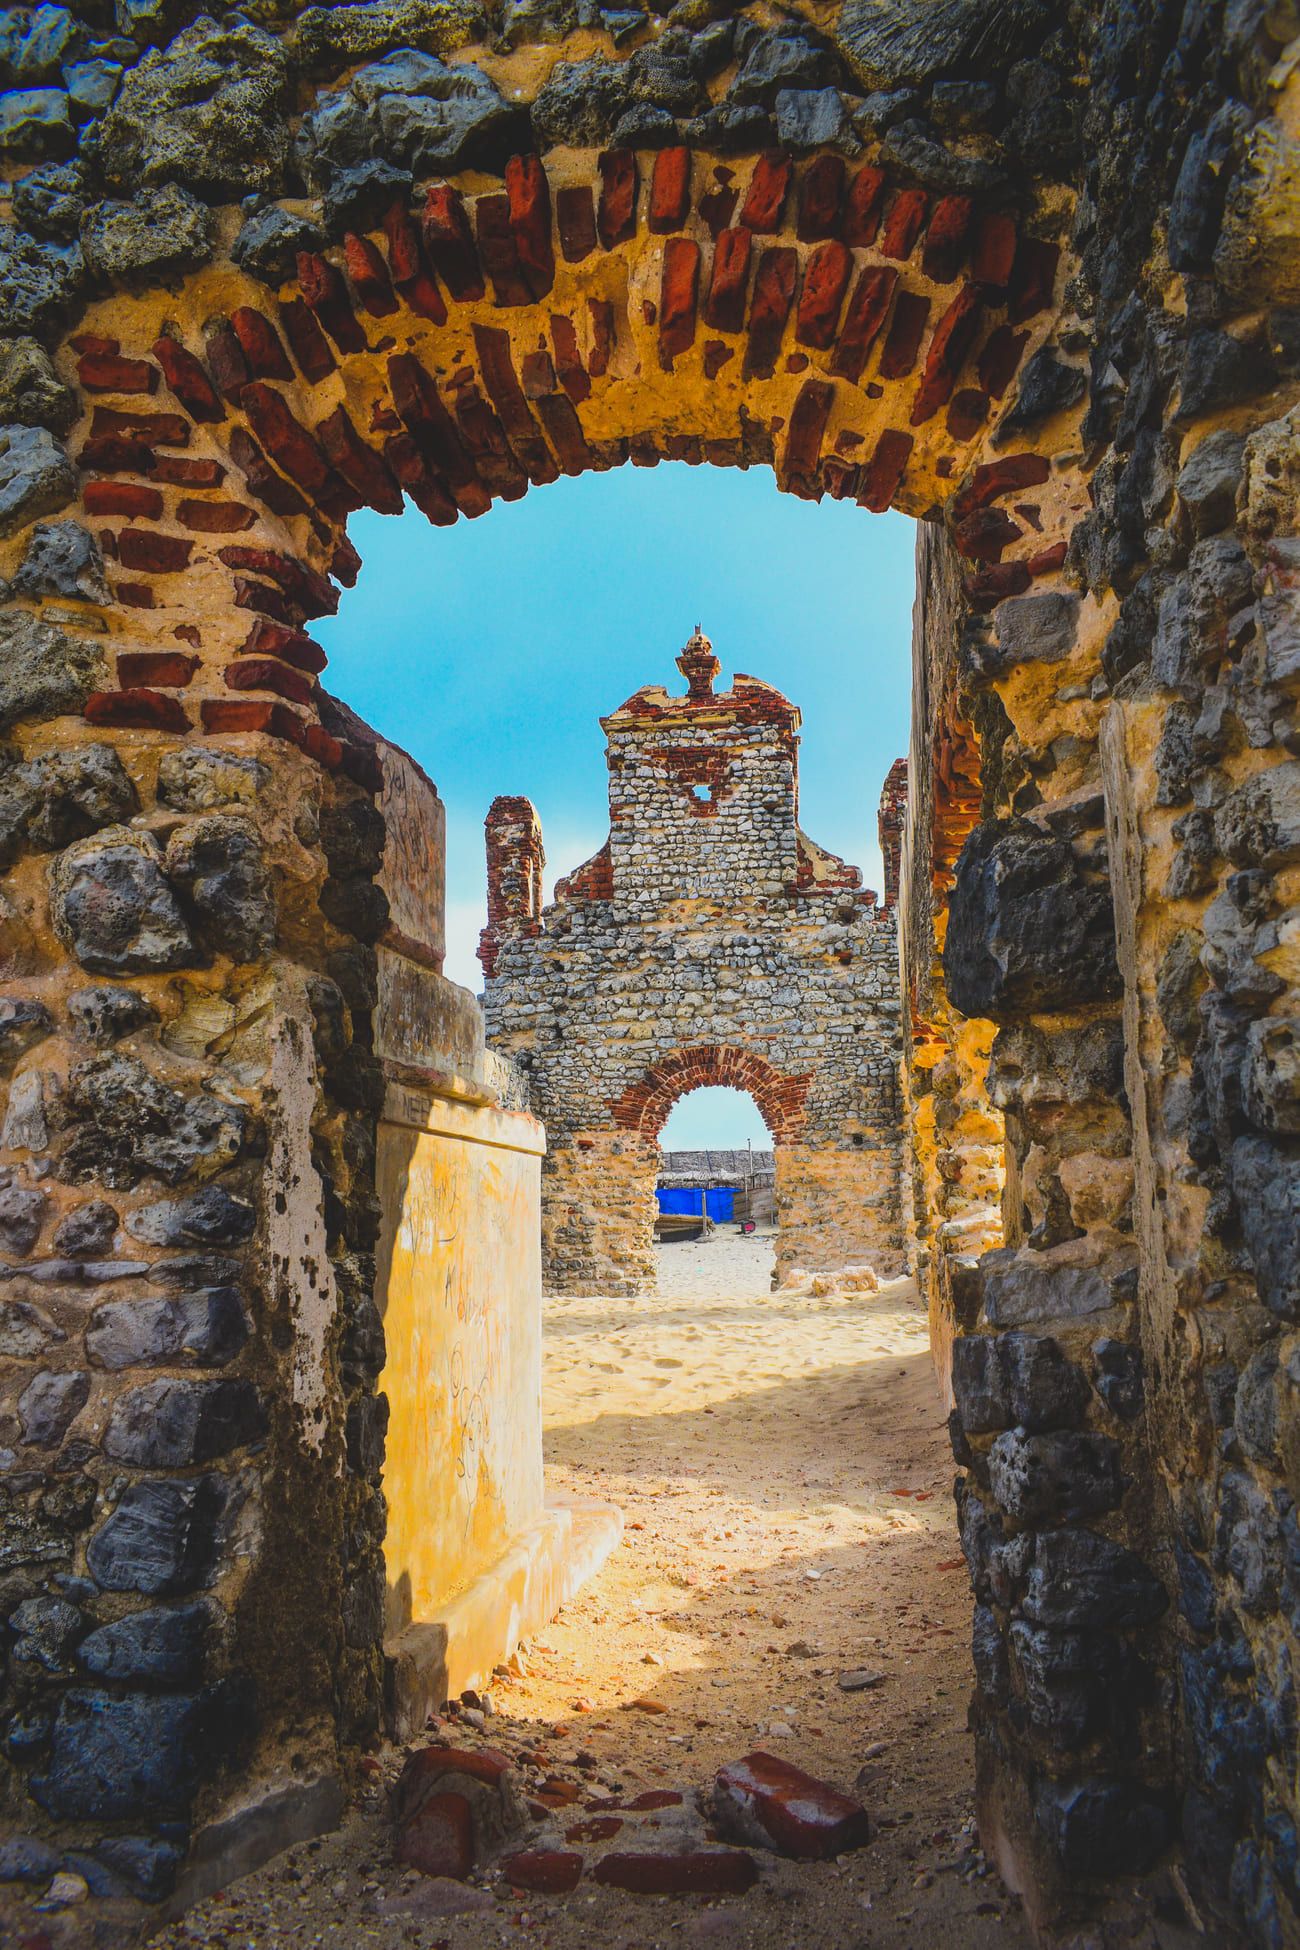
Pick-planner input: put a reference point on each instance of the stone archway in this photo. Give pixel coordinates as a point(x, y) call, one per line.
point(826, 247)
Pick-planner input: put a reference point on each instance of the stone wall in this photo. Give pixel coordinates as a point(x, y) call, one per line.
point(708, 942)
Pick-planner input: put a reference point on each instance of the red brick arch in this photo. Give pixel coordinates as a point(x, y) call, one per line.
point(644, 1106)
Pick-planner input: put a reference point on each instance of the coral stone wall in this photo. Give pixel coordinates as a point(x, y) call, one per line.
point(709, 942)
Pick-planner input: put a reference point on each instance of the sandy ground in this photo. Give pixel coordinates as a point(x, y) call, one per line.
point(783, 1470)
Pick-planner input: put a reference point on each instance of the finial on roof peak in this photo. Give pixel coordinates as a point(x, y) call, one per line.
point(698, 664)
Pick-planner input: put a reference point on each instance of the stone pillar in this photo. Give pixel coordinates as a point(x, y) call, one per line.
point(598, 1209)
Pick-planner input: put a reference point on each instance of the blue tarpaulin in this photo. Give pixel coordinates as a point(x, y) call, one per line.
point(720, 1200)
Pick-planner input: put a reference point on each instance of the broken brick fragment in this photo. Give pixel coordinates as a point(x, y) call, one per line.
point(139, 708)
point(880, 477)
point(508, 397)
point(145, 548)
point(575, 216)
point(168, 670)
point(999, 477)
point(717, 207)
point(269, 674)
point(765, 197)
point(108, 372)
point(616, 209)
point(529, 196)
point(862, 207)
point(426, 419)
point(188, 380)
point(699, 1872)
point(499, 252)
point(769, 307)
point(967, 411)
point(868, 308)
point(270, 488)
point(825, 280)
point(154, 429)
point(410, 469)
point(1048, 560)
point(724, 307)
point(485, 438)
point(670, 190)
point(114, 454)
point(821, 195)
point(360, 466)
point(280, 640)
point(325, 291)
point(308, 343)
point(906, 330)
point(368, 275)
point(543, 1871)
point(564, 431)
point(260, 344)
point(178, 470)
point(769, 1803)
point(952, 340)
point(945, 238)
point(678, 295)
point(136, 595)
point(122, 498)
point(807, 426)
point(449, 242)
point(263, 600)
point(568, 359)
point(603, 332)
point(985, 535)
point(903, 222)
point(1032, 279)
point(994, 584)
point(311, 591)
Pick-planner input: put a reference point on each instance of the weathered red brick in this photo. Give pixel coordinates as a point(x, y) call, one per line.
point(426, 489)
point(774, 287)
point(547, 1872)
point(678, 295)
point(985, 535)
point(821, 196)
point(945, 239)
point(215, 517)
point(308, 343)
point(508, 397)
point(188, 633)
point(271, 489)
point(270, 639)
point(429, 424)
point(654, 1798)
point(345, 563)
point(311, 591)
point(1048, 560)
point(450, 243)
point(136, 595)
point(603, 333)
point(325, 291)
point(485, 438)
point(717, 354)
point(113, 454)
point(94, 342)
point(529, 195)
point(670, 190)
point(767, 1800)
point(703, 1872)
point(285, 439)
point(967, 411)
point(139, 708)
point(953, 337)
point(868, 307)
point(825, 280)
point(122, 498)
point(906, 330)
point(1033, 279)
point(226, 360)
point(724, 307)
point(170, 670)
point(903, 223)
point(438, 1838)
point(269, 674)
point(999, 359)
point(498, 251)
point(260, 343)
point(176, 470)
point(144, 548)
point(616, 209)
point(839, 478)
point(765, 198)
point(360, 466)
point(993, 585)
point(410, 273)
point(154, 429)
point(218, 714)
point(568, 359)
point(862, 207)
point(368, 275)
point(880, 477)
point(575, 215)
point(564, 431)
point(993, 252)
point(263, 600)
point(998, 477)
point(108, 372)
point(804, 438)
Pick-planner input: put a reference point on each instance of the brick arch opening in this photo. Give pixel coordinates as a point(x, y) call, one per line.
point(644, 1106)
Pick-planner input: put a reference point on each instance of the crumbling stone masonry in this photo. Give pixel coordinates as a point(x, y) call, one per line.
point(708, 942)
point(1028, 272)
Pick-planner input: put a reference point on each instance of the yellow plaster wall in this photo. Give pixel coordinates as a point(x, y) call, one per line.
point(459, 1286)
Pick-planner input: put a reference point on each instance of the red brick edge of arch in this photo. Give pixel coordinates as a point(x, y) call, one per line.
point(644, 1106)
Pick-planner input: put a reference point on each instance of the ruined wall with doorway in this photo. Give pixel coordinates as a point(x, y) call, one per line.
point(709, 941)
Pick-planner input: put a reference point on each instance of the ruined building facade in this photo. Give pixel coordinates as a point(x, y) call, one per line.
point(709, 941)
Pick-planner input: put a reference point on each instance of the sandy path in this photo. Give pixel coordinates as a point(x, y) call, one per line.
point(782, 1466)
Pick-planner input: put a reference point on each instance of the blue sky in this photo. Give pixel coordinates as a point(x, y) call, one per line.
point(491, 649)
